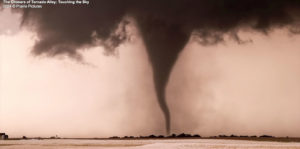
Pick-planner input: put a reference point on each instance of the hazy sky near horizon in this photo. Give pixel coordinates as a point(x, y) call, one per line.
point(248, 89)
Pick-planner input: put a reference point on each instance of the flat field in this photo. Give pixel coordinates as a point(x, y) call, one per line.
point(146, 144)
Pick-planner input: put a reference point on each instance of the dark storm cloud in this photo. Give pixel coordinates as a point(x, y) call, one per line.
point(165, 26)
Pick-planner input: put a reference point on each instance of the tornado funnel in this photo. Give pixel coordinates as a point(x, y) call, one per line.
point(163, 41)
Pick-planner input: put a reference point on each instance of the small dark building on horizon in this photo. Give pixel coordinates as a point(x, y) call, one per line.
point(3, 136)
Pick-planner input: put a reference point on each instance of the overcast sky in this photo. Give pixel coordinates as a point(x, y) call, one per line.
point(248, 89)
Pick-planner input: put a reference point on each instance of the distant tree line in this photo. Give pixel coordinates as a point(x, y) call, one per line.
point(183, 135)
